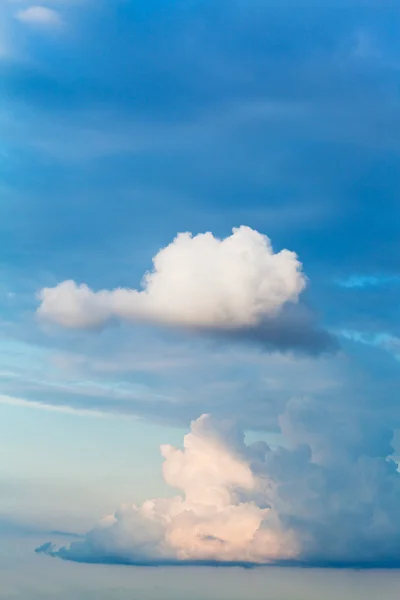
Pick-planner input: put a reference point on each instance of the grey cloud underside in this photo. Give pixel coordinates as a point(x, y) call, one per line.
point(294, 330)
point(385, 563)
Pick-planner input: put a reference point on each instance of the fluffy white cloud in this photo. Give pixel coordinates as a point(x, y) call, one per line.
point(244, 503)
point(234, 288)
point(197, 281)
point(39, 15)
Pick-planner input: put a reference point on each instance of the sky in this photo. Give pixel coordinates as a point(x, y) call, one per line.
point(199, 294)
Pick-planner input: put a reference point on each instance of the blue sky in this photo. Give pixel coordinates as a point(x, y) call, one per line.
point(124, 123)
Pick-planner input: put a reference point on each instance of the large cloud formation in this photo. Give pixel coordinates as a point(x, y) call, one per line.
point(233, 286)
point(329, 497)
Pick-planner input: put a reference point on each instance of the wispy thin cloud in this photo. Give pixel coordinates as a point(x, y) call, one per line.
point(39, 16)
point(385, 341)
point(13, 401)
point(365, 281)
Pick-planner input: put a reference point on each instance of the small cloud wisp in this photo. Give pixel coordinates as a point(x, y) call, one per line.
point(40, 16)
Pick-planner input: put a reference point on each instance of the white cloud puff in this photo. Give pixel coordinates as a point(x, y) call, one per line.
point(244, 503)
point(197, 281)
point(38, 15)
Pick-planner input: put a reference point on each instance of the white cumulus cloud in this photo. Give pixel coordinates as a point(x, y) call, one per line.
point(199, 282)
point(246, 503)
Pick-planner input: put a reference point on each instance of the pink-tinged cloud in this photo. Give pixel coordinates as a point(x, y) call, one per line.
point(324, 498)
